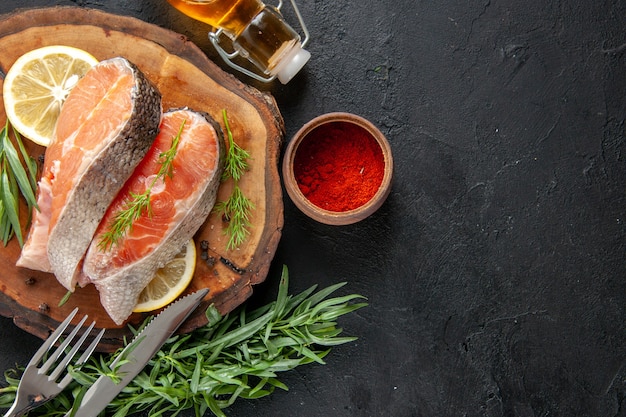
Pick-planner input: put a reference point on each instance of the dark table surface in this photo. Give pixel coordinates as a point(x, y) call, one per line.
point(495, 271)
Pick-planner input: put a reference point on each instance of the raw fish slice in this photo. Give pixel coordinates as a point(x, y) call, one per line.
point(179, 206)
point(105, 127)
point(35, 250)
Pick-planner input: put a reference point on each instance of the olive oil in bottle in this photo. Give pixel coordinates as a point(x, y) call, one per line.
point(258, 32)
point(230, 15)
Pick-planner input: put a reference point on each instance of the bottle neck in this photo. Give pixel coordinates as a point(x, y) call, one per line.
point(271, 44)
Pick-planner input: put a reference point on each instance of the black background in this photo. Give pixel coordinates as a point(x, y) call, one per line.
point(495, 270)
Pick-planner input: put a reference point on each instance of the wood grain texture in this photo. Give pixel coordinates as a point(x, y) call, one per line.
point(185, 77)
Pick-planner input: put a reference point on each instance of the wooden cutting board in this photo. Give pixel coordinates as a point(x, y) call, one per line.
point(185, 77)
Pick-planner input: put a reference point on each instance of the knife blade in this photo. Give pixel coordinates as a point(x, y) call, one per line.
point(137, 354)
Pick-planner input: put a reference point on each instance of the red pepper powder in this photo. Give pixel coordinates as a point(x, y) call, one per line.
point(339, 166)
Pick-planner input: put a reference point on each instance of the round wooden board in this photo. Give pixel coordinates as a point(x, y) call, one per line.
point(185, 77)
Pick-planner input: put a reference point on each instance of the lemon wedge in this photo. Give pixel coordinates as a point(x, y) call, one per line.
point(37, 85)
point(170, 281)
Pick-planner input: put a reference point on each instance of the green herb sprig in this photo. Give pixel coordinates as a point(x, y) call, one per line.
point(236, 356)
point(138, 204)
point(18, 177)
point(237, 209)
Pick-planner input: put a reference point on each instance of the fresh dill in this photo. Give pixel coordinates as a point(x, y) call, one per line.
point(236, 158)
point(236, 212)
point(18, 177)
point(239, 355)
point(237, 208)
point(138, 204)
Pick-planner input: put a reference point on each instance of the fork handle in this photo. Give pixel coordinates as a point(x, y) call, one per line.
point(22, 406)
point(14, 412)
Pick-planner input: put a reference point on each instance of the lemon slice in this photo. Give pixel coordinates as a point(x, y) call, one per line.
point(37, 85)
point(170, 281)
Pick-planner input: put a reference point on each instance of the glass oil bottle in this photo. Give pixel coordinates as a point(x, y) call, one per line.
point(258, 33)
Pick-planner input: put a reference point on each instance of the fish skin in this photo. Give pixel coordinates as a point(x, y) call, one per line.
point(86, 204)
point(119, 287)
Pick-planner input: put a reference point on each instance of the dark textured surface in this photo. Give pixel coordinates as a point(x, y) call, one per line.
point(495, 270)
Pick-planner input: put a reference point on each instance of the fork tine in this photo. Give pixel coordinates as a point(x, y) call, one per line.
point(61, 366)
point(57, 353)
point(52, 339)
point(86, 354)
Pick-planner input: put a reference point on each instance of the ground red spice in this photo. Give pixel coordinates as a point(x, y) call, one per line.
point(339, 166)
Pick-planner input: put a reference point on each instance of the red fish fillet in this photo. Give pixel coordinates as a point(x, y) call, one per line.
point(105, 127)
point(179, 206)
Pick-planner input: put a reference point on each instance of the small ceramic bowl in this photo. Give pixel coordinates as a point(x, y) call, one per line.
point(337, 168)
